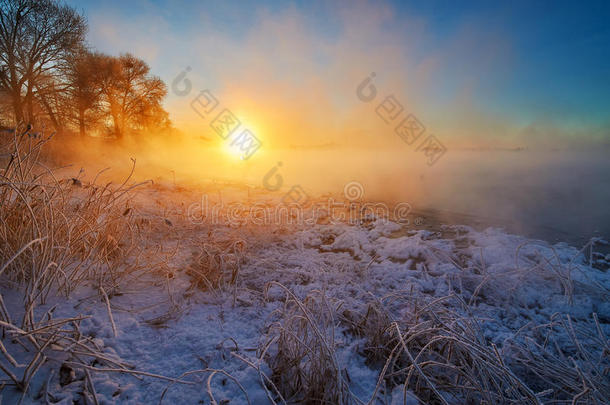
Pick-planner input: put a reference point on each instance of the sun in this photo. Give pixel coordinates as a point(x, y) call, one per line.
point(243, 143)
point(231, 149)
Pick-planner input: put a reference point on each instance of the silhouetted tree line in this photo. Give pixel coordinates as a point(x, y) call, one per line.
point(48, 75)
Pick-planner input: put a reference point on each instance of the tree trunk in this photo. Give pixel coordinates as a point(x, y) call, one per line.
point(17, 108)
point(81, 122)
point(118, 130)
point(29, 103)
point(57, 124)
point(15, 90)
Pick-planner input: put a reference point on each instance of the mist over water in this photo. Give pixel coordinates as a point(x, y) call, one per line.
point(551, 195)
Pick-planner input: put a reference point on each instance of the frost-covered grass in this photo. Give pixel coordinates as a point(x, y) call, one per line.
point(500, 319)
point(110, 294)
point(58, 236)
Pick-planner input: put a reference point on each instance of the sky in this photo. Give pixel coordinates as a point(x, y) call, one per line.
point(476, 73)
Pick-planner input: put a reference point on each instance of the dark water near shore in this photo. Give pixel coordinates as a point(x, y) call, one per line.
point(552, 195)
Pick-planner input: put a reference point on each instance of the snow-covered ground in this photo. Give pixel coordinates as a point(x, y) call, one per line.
point(171, 325)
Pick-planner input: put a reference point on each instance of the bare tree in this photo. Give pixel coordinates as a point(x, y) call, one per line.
point(37, 37)
point(84, 78)
point(45, 68)
point(133, 97)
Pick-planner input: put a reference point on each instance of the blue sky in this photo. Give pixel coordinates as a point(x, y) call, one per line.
point(560, 53)
point(522, 62)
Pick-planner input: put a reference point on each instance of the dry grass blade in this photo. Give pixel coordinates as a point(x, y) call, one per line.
point(212, 372)
point(55, 235)
point(304, 363)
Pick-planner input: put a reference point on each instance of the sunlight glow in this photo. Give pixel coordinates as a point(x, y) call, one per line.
point(232, 151)
point(244, 141)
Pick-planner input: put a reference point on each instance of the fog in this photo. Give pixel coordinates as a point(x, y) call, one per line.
point(553, 195)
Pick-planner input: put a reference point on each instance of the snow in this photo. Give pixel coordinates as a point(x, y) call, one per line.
point(190, 329)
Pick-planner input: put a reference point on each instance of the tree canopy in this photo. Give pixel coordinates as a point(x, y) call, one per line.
point(47, 74)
